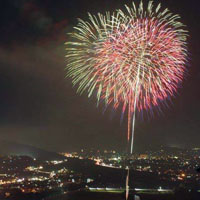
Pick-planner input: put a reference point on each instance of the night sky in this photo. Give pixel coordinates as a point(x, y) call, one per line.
point(39, 106)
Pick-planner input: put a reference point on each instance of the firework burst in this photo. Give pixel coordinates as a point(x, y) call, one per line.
point(133, 58)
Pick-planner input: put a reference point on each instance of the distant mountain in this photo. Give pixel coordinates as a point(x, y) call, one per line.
point(12, 148)
point(167, 148)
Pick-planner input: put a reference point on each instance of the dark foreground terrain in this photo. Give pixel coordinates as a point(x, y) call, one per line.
point(119, 196)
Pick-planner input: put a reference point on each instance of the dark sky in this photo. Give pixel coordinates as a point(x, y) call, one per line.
point(38, 106)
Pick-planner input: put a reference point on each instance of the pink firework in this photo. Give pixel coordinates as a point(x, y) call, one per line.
point(134, 59)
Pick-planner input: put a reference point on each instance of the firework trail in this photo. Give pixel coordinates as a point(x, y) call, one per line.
point(134, 59)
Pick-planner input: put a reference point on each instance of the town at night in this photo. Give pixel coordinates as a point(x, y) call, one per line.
point(163, 172)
